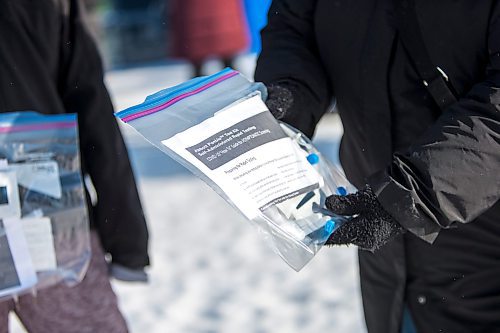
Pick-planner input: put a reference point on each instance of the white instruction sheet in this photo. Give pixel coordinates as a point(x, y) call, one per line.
point(246, 153)
point(38, 233)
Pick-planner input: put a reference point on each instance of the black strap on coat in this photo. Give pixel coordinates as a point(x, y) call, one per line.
point(434, 78)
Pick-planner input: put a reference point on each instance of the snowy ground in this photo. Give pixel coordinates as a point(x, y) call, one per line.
point(211, 271)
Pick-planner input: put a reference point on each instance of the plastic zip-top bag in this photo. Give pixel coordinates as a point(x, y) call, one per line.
point(219, 128)
point(44, 228)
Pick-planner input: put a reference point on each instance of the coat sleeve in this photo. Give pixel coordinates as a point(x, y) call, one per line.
point(290, 58)
point(452, 174)
point(117, 215)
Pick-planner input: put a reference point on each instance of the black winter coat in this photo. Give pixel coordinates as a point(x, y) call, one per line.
point(49, 64)
point(434, 171)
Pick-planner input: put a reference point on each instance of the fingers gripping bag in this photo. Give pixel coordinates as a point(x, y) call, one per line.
point(219, 128)
point(44, 229)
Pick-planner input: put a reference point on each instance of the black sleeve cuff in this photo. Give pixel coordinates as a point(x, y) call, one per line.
point(304, 112)
point(404, 206)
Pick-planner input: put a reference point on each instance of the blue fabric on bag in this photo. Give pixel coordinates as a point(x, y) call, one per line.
point(408, 325)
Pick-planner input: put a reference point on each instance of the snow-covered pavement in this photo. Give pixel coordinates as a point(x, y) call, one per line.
point(211, 271)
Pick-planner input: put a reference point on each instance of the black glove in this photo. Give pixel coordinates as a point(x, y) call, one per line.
point(279, 100)
point(370, 228)
point(291, 103)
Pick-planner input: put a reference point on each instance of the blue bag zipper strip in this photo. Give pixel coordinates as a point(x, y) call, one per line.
point(32, 121)
point(163, 97)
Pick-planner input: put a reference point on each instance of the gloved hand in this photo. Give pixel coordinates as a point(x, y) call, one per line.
point(279, 100)
point(370, 228)
point(291, 103)
point(126, 274)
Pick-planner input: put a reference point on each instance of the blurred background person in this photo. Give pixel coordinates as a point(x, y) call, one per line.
point(132, 32)
point(52, 66)
point(203, 29)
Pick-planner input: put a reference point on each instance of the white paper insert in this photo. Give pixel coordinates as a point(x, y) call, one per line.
point(247, 154)
point(38, 233)
point(42, 177)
